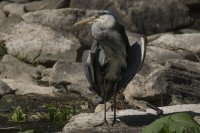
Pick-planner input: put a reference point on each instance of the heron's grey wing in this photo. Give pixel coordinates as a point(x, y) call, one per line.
point(136, 54)
point(88, 60)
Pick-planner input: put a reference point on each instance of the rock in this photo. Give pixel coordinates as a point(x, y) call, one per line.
point(20, 1)
point(46, 4)
point(111, 5)
point(146, 84)
point(68, 72)
point(63, 19)
point(83, 91)
point(11, 67)
point(159, 84)
point(87, 4)
point(100, 107)
point(8, 24)
point(2, 16)
point(39, 45)
point(155, 54)
point(194, 5)
point(4, 88)
point(14, 9)
point(46, 73)
point(40, 68)
point(189, 31)
point(3, 3)
point(23, 88)
point(151, 18)
point(185, 44)
point(130, 119)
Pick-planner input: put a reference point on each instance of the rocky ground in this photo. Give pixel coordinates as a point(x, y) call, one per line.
point(41, 65)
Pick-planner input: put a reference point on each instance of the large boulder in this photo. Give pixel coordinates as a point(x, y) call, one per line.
point(158, 84)
point(130, 120)
point(187, 45)
point(38, 44)
point(12, 68)
point(46, 4)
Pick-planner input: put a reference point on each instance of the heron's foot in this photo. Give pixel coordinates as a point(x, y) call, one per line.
point(115, 121)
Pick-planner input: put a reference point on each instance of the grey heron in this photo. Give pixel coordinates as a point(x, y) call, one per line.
point(112, 62)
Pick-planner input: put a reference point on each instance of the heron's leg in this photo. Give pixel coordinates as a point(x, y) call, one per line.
point(115, 103)
point(105, 96)
point(114, 108)
point(104, 120)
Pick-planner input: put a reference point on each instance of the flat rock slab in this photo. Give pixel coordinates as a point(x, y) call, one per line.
point(130, 120)
point(23, 88)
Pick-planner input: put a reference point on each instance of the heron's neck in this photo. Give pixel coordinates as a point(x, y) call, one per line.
point(107, 22)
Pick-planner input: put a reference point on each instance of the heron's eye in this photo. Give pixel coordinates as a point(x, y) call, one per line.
point(97, 16)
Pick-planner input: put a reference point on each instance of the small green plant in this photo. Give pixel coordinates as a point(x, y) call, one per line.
point(57, 114)
point(27, 131)
point(17, 115)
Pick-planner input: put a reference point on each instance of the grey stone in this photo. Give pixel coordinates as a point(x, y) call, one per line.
point(20, 1)
point(129, 119)
point(12, 68)
point(40, 68)
point(46, 73)
point(194, 5)
point(189, 31)
point(115, 6)
point(3, 3)
point(23, 88)
point(144, 84)
point(150, 18)
point(4, 88)
point(160, 55)
point(68, 72)
point(14, 9)
point(2, 16)
point(143, 16)
point(177, 78)
point(63, 19)
point(46, 4)
point(38, 44)
point(185, 45)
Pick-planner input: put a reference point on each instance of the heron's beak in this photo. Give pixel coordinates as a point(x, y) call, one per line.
point(85, 21)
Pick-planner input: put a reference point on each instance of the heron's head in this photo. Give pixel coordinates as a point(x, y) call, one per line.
point(103, 18)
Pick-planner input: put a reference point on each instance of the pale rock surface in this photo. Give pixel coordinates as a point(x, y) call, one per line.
point(129, 119)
